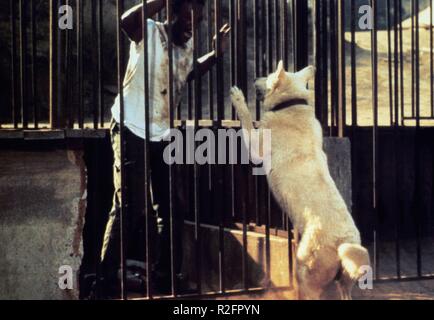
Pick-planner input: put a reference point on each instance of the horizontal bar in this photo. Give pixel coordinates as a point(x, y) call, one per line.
point(420, 118)
point(52, 134)
point(228, 293)
point(404, 278)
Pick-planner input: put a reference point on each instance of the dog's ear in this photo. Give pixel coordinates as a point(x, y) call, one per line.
point(307, 73)
point(279, 75)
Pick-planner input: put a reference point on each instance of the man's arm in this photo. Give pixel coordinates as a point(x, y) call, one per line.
point(205, 63)
point(132, 22)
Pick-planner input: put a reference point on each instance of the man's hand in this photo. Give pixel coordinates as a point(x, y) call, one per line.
point(206, 62)
point(224, 39)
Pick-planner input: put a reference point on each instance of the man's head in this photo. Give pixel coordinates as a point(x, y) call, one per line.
point(182, 10)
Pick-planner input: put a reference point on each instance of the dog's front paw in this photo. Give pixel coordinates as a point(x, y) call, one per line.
point(237, 98)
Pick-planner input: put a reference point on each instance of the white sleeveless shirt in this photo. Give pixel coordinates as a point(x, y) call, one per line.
point(134, 105)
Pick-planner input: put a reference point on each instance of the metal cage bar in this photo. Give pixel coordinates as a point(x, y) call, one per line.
point(122, 129)
point(147, 167)
point(171, 101)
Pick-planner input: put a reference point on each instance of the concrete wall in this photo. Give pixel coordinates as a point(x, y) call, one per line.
point(339, 159)
point(42, 206)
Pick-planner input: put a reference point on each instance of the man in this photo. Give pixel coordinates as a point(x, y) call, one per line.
point(159, 111)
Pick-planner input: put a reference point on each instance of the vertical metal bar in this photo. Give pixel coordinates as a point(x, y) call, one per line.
point(79, 8)
point(374, 60)
point(413, 106)
point(219, 181)
point(95, 66)
point(258, 184)
point(13, 64)
point(210, 72)
point(277, 39)
point(123, 209)
point(270, 35)
point(401, 60)
point(220, 79)
point(354, 129)
point(389, 60)
point(234, 48)
point(318, 59)
point(233, 6)
point(397, 140)
point(263, 187)
point(256, 30)
point(333, 65)
point(341, 68)
point(320, 62)
point(285, 32)
point(267, 240)
point(267, 67)
point(100, 62)
point(291, 16)
point(67, 89)
point(33, 65)
point(60, 73)
point(323, 75)
point(418, 197)
point(301, 33)
point(263, 19)
point(354, 137)
point(23, 63)
point(325, 45)
point(169, 10)
point(53, 64)
point(189, 101)
point(242, 82)
point(257, 53)
point(147, 168)
point(354, 15)
point(431, 61)
point(197, 116)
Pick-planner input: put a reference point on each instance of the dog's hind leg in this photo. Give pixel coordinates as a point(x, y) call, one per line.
point(317, 264)
point(307, 290)
point(306, 261)
point(345, 286)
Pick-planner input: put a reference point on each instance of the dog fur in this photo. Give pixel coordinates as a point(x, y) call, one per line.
point(329, 252)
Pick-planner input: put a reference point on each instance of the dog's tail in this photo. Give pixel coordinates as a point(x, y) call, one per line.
point(353, 257)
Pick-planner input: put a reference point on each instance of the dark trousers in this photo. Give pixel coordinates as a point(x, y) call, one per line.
point(135, 214)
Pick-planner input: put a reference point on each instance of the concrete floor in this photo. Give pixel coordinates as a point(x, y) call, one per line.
point(394, 290)
point(408, 290)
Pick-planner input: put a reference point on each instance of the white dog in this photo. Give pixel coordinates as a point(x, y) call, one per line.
point(329, 252)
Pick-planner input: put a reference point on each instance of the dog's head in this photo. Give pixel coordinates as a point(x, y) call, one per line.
point(282, 86)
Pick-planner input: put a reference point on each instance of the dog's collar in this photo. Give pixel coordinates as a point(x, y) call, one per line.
point(289, 104)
